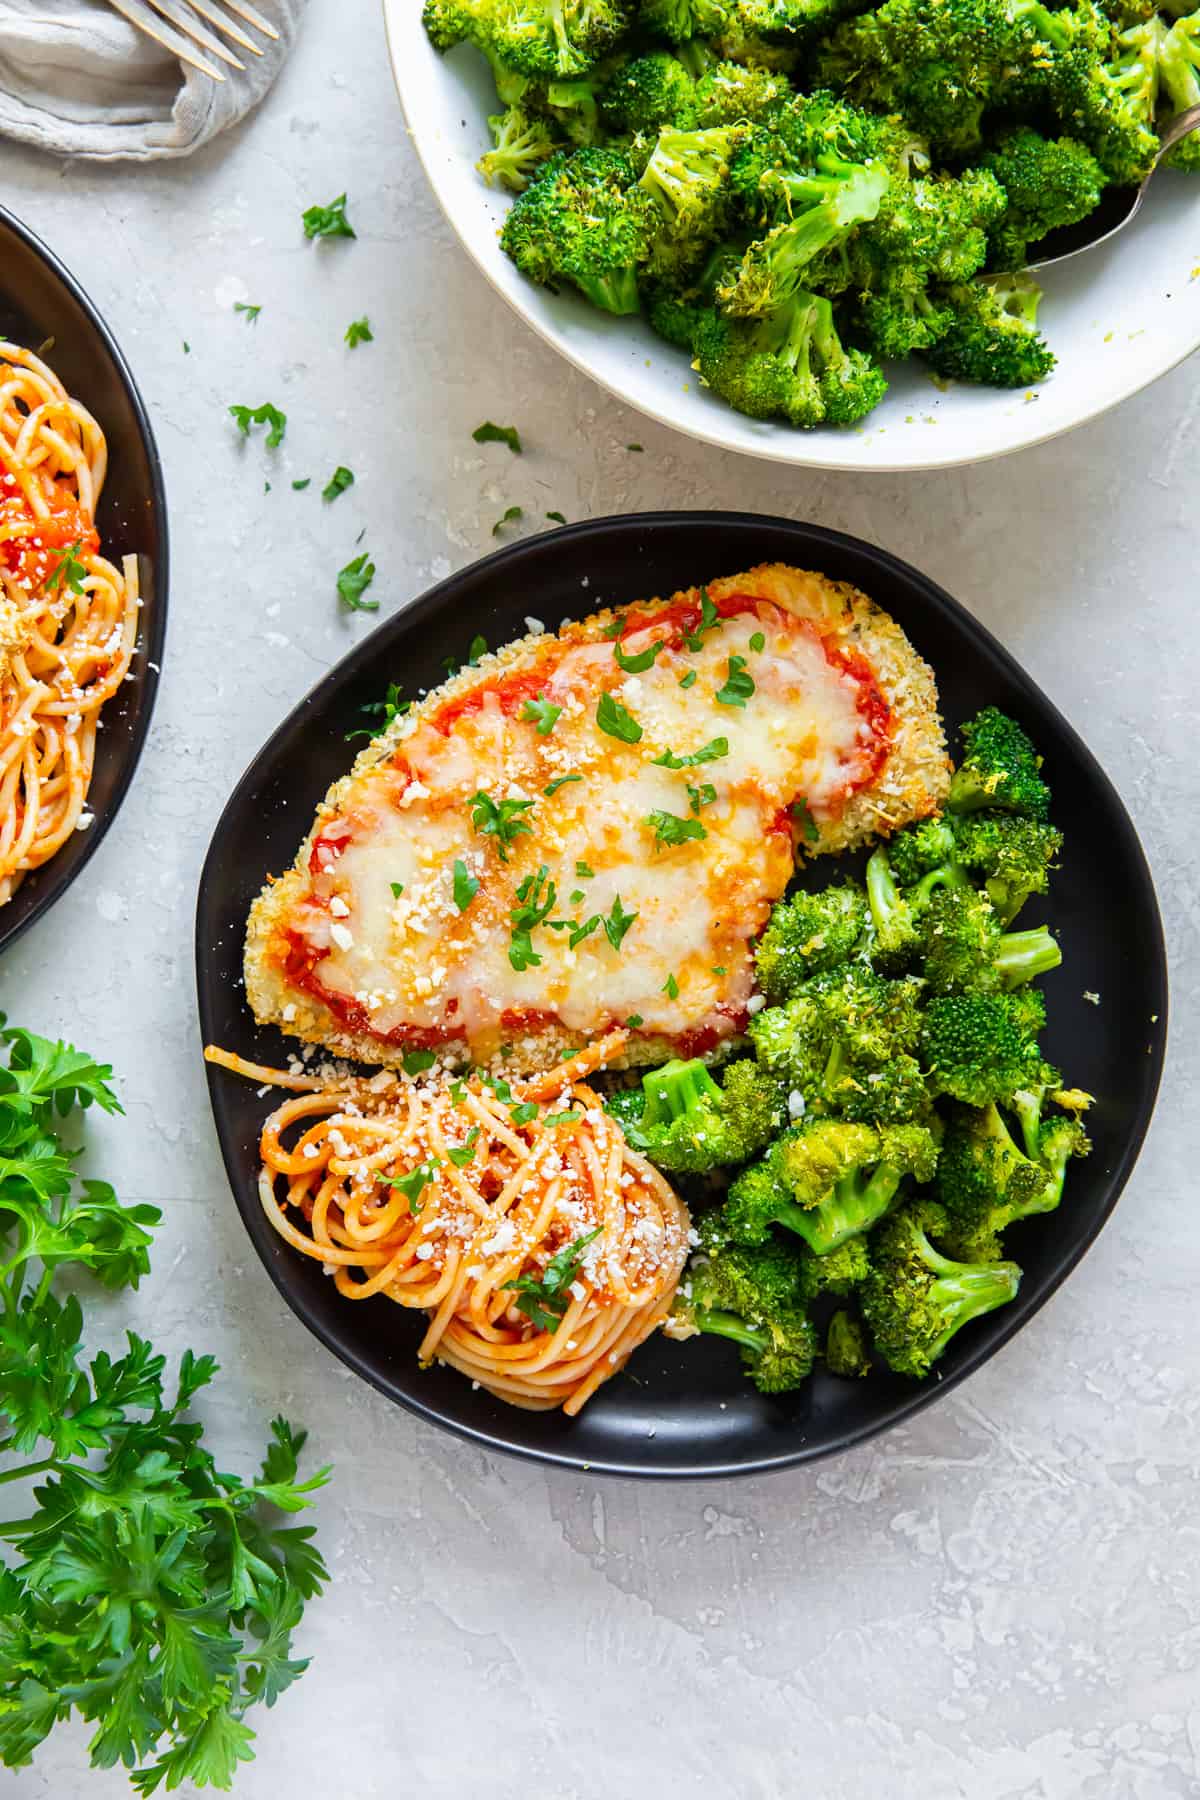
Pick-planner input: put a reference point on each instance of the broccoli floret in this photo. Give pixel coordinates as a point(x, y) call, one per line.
point(828, 1182)
point(821, 206)
point(839, 1271)
point(678, 20)
point(1179, 65)
point(1001, 768)
point(683, 1121)
point(846, 1020)
point(731, 95)
point(895, 936)
point(1014, 855)
point(846, 1351)
point(985, 1183)
point(584, 220)
point(791, 364)
point(967, 949)
point(534, 37)
point(983, 1047)
point(687, 177)
point(648, 92)
point(521, 145)
point(791, 19)
point(809, 933)
point(1049, 183)
point(1132, 67)
point(736, 42)
point(993, 337)
point(922, 849)
point(755, 1296)
point(915, 1299)
point(937, 224)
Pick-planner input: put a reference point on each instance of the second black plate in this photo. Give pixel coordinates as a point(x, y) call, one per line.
point(685, 1409)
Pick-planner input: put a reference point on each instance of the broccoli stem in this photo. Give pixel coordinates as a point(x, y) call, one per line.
point(675, 1089)
point(950, 875)
point(965, 1292)
point(616, 292)
point(883, 895)
point(851, 1207)
point(728, 1325)
point(1021, 955)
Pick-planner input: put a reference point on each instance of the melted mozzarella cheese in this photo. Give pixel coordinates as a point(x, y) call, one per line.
point(397, 944)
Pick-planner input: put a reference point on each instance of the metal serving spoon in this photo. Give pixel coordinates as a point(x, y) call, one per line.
point(1117, 208)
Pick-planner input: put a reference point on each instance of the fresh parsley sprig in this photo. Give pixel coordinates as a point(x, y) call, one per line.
point(503, 820)
point(266, 414)
point(327, 221)
point(544, 1299)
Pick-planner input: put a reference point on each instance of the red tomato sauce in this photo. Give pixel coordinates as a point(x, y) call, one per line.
point(31, 548)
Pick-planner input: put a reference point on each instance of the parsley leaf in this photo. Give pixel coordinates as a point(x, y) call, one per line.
point(559, 781)
point(758, 642)
point(461, 1154)
point(327, 221)
point(800, 812)
point(643, 660)
point(738, 686)
point(385, 710)
point(504, 819)
point(559, 518)
point(415, 1062)
point(614, 719)
point(701, 796)
point(358, 331)
point(668, 828)
point(507, 518)
point(251, 312)
point(710, 618)
point(536, 895)
point(475, 649)
point(710, 752)
point(353, 582)
point(525, 1113)
point(584, 871)
point(413, 1185)
point(634, 1020)
point(542, 713)
point(618, 923)
point(466, 885)
point(688, 680)
point(579, 932)
point(266, 414)
point(397, 888)
point(338, 482)
point(67, 570)
point(299, 486)
point(670, 987)
point(545, 1301)
point(487, 433)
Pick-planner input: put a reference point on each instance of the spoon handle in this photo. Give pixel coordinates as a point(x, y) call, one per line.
point(1181, 126)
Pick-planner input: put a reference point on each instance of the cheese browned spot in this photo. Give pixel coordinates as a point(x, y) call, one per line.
point(807, 711)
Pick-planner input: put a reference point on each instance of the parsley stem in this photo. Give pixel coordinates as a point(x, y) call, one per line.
point(33, 1468)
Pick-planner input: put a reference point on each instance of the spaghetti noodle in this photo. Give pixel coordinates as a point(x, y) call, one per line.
point(68, 617)
point(543, 1248)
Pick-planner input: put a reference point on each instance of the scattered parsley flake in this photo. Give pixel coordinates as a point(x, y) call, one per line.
point(353, 582)
point(576, 897)
point(669, 829)
point(338, 482)
point(536, 895)
point(579, 932)
point(299, 486)
point(670, 987)
point(737, 687)
point(618, 923)
point(701, 796)
point(327, 221)
point(475, 649)
point(559, 518)
point(710, 752)
point(502, 819)
point(487, 433)
point(799, 810)
point(614, 628)
point(758, 641)
point(466, 885)
point(525, 1113)
point(462, 1153)
point(545, 1301)
point(617, 721)
point(542, 713)
point(710, 618)
point(559, 781)
point(385, 710)
point(643, 660)
point(413, 1185)
point(562, 1118)
point(584, 871)
point(68, 571)
point(635, 447)
point(397, 888)
point(266, 414)
point(507, 518)
point(415, 1062)
point(688, 680)
point(251, 312)
point(634, 1020)
point(359, 332)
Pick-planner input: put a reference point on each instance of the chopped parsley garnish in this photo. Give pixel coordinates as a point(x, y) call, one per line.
point(545, 1301)
point(804, 819)
point(710, 618)
point(487, 433)
point(670, 987)
point(397, 888)
point(542, 713)
point(701, 796)
point(338, 482)
point(385, 710)
point(525, 1113)
point(614, 628)
point(738, 686)
point(353, 582)
point(415, 1062)
point(458, 1091)
point(576, 897)
point(536, 894)
point(466, 886)
point(358, 331)
point(559, 518)
point(327, 221)
point(688, 680)
point(668, 828)
point(299, 486)
point(68, 571)
point(614, 719)
point(461, 1154)
point(266, 414)
point(476, 648)
point(562, 1118)
point(507, 518)
point(718, 969)
point(503, 820)
point(634, 1020)
point(710, 752)
point(579, 932)
point(559, 781)
point(501, 1090)
point(412, 1186)
point(758, 641)
point(251, 312)
point(618, 923)
point(635, 447)
point(637, 665)
point(585, 872)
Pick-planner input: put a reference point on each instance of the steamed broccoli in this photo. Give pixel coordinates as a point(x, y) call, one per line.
point(915, 1299)
point(678, 20)
point(522, 145)
point(820, 206)
point(843, 1027)
point(983, 1047)
point(1048, 182)
point(968, 950)
point(756, 1297)
point(586, 221)
point(687, 178)
point(809, 933)
point(648, 92)
point(846, 1351)
point(791, 364)
point(827, 1181)
point(1013, 855)
point(683, 1121)
point(536, 37)
point(1179, 64)
point(728, 94)
point(1001, 768)
point(993, 336)
point(895, 937)
point(936, 225)
point(985, 1182)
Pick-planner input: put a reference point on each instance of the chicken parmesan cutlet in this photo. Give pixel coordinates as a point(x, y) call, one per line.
point(587, 830)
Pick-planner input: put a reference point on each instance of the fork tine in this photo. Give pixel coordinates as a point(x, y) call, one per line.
point(222, 23)
point(144, 21)
point(251, 16)
point(180, 17)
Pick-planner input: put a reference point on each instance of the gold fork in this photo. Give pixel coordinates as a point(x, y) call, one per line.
point(186, 17)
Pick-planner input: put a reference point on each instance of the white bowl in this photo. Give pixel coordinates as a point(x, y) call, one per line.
point(1117, 319)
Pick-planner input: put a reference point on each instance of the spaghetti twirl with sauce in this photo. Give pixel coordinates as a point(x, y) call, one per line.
point(68, 617)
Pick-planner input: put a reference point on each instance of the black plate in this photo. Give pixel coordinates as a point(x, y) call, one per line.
point(684, 1409)
point(39, 299)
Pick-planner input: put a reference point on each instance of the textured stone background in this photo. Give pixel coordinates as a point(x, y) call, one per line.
point(1003, 1600)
